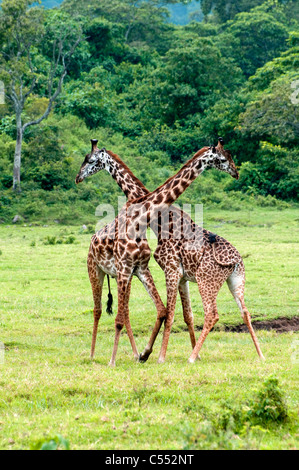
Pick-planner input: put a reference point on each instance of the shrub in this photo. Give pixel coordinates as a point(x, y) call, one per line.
point(50, 240)
point(70, 239)
point(275, 173)
point(56, 443)
point(269, 405)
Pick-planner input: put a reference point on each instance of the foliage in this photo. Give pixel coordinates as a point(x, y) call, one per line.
point(275, 172)
point(226, 9)
point(56, 443)
point(177, 94)
point(52, 240)
point(272, 115)
point(269, 405)
point(155, 93)
point(266, 40)
point(235, 420)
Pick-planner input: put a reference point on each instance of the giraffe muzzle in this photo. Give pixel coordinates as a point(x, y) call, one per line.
point(78, 179)
point(235, 174)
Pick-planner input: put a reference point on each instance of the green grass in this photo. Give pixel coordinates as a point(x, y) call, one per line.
point(49, 386)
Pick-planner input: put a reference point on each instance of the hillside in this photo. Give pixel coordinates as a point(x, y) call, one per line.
point(154, 93)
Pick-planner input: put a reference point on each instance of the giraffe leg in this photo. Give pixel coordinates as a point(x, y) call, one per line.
point(96, 277)
point(187, 310)
point(148, 282)
point(128, 324)
point(211, 318)
point(122, 317)
point(172, 283)
point(210, 310)
point(236, 284)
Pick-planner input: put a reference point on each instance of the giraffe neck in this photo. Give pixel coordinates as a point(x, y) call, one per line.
point(169, 192)
point(126, 180)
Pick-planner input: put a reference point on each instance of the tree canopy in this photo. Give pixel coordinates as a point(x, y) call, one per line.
point(162, 88)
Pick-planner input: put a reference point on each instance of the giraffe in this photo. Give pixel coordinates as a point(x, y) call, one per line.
point(209, 260)
point(161, 254)
point(101, 255)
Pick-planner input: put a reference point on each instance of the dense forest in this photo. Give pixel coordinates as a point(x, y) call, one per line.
point(152, 90)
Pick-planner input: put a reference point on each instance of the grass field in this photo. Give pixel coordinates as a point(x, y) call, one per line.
point(49, 387)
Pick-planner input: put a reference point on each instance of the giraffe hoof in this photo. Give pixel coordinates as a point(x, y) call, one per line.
point(111, 364)
point(161, 361)
point(143, 358)
point(191, 360)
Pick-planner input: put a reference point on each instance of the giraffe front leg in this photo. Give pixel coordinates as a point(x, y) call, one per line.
point(96, 277)
point(128, 324)
point(122, 317)
point(146, 278)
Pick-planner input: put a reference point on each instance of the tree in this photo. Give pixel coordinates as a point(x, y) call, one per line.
point(273, 115)
point(224, 10)
point(258, 37)
point(191, 77)
point(139, 19)
point(25, 32)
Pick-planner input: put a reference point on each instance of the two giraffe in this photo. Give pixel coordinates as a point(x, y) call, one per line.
point(196, 255)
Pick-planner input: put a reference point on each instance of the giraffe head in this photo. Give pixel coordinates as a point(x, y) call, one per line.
point(221, 159)
point(93, 162)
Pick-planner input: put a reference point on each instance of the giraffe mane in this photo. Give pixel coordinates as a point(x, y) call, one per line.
point(119, 160)
point(198, 153)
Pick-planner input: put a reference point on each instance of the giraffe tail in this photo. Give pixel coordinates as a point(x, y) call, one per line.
point(110, 299)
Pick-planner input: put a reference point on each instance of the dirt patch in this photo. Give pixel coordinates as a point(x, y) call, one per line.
point(280, 325)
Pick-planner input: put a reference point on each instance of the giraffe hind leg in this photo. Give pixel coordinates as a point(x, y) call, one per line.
point(236, 283)
point(187, 310)
point(172, 284)
point(211, 318)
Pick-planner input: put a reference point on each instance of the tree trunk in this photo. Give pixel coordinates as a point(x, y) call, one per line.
point(17, 159)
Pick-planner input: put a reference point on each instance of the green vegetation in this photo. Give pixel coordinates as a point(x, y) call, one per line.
point(154, 92)
point(53, 396)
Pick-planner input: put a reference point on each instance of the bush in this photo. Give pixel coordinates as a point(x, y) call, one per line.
point(50, 240)
point(58, 442)
point(276, 173)
point(269, 405)
point(221, 429)
point(70, 240)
